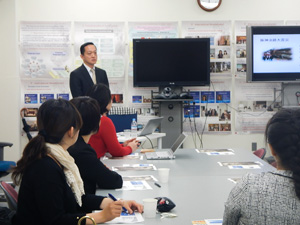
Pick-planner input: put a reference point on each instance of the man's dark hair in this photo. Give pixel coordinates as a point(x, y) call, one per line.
point(82, 47)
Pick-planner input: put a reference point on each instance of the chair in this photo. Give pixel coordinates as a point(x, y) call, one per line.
point(269, 159)
point(274, 164)
point(11, 195)
point(260, 153)
point(5, 165)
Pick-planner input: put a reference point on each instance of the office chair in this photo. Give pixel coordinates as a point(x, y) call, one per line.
point(5, 165)
point(274, 164)
point(11, 195)
point(260, 153)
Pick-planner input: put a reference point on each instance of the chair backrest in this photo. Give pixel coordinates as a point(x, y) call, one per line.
point(274, 164)
point(11, 195)
point(2, 145)
point(5, 165)
point(260, 153)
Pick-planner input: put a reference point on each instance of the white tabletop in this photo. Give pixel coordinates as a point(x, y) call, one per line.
point(158, 136)
point(198, 185)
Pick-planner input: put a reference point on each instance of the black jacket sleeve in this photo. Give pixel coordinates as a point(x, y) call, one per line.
point(93, 171)
point(105, 79)
point(76, 85)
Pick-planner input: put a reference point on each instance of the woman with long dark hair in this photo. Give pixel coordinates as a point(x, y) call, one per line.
point(105, 140)
point(272, 197)
point(51, 190)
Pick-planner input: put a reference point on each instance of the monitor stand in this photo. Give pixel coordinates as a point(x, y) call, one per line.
point(172, 111)
point(290, 95)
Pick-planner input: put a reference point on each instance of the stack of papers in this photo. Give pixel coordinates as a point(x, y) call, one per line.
point(135, 185)
point(217, 151)
point(234, 179)
point(139, 177)
point(208, 222)
point(241, 165)
point(131, 156)
point(136, 167)
point(135, 217)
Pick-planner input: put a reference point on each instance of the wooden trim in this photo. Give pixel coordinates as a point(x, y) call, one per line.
point(206, 9)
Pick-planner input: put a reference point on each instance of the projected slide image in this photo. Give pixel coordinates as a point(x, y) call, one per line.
point(279, 54)
point(276, 53)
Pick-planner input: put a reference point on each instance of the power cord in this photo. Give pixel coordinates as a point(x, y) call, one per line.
point(298, 95)
point(194, 139)
point(149, 141)
point(197, 133)
point(202, 132)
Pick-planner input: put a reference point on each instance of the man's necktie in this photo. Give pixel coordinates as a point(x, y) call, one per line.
point(93, 76)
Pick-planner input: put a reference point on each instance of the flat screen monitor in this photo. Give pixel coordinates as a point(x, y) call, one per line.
point(171, 62)
point(273, 54)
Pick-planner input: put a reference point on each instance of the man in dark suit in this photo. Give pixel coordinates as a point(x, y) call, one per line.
point(84, 77)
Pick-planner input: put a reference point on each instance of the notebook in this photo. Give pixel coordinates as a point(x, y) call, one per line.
point(150, 126)
point(167, 153)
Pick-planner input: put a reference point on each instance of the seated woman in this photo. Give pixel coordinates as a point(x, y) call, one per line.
point(51, 190)
point(271, 197)
point(93, 172)
point(106, 139)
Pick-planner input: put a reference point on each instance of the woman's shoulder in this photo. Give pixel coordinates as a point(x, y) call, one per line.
point(253, 177)
point(246, 184)
point(248, 180)
point(106, 122)
point(46, 160)
point(105, 119)
point(44, 166)
point(262, 180)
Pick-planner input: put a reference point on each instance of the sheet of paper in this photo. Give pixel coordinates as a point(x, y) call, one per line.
point(241, 165)
point(217, 151)
point(234, 179)
point(139, 177)
point(208, 222)
point(198, 222)
point(131, 156)
point(214, 221)
point(136, 217)
point(136, 185)
point(136, 167)
point(244, 167)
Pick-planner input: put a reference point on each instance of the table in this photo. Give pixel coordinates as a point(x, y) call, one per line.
point(198, 185)
point(158, 136)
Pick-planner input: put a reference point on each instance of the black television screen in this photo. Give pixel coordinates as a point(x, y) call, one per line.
point(171, 62)
point(273, 54)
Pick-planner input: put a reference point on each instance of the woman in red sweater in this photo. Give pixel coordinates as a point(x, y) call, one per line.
point(106, 139)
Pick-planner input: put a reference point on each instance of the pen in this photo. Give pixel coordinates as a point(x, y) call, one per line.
point(157, 184)
point(114, 199)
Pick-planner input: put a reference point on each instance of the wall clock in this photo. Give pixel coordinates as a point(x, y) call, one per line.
point(209, 5)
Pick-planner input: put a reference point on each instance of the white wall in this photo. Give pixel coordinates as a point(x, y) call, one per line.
point(9, 80)
point(14, 11)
